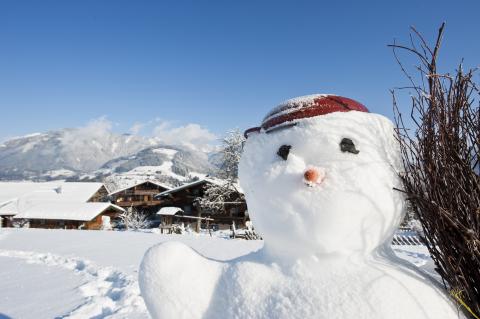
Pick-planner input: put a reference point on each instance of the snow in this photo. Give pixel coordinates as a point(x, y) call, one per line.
point(164, 169)
point(83, 274)
point(293, 104)
point(65, 210)
point(103, 291)
point(327, 247)
point(60, 172)
point(131, 184)
point(184, 186)
point(58, 190)
point(31, 135)
point(52, 200)
point(166, 151)
point(169, 211)
point(203, 180)
point(151, 172)
point(28, 281)
point(86, 274)
point(356, 193)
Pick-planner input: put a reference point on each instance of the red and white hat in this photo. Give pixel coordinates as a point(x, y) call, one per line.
point(308, 106)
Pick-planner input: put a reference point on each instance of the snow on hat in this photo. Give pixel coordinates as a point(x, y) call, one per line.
point(305, 107)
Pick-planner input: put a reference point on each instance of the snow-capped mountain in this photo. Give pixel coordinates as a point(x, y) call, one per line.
point(77, 155)
point(171, 165)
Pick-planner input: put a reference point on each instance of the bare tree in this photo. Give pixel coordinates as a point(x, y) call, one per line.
point(441, 162)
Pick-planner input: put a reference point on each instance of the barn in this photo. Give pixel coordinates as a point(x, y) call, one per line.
point(140, 196)
point(186, 197)
point(54, 204)
point(70, 215)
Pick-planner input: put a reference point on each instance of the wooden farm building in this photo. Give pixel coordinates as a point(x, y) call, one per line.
point(186, 198)
point(55, 204)
point(70, 215)
point(140, 196)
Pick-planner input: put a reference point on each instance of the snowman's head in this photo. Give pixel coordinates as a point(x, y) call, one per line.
point(321, 182)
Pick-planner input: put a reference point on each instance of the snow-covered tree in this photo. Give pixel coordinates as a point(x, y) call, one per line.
point(217, 195)
point(134, 219)
point(225, 191)
point(20, 223)
point(232, 147)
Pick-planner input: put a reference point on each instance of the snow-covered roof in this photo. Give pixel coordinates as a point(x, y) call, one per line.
point(136, 183)
point(8, 208)
point(66, 210)
point(169, 211)
point(16, 197)
point(65, 191)
point(293, 104)
point(198, 182)
point(179, 188)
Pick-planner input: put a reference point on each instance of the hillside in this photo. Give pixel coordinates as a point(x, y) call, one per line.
point(87, 156)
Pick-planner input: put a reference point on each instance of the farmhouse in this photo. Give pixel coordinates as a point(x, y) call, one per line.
point(186, 197)
point(70, 215)
point(55, 204)
point(140, 196)
point(64, 191)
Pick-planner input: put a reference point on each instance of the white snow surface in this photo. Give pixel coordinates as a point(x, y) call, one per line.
point(24, 281)
point(60, 172)
point(57, 190)
point(50, 200)
point(169, 211)
point(294, 104)
point(86, 274)
point(93, 274)
point(354, 209)
point(66, 210)
point(133, 183)
point(166, 151)
point(327, 245)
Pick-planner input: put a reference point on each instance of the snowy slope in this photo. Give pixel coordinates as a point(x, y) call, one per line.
point(168, 165)
point(76, 154)
point(63, 153)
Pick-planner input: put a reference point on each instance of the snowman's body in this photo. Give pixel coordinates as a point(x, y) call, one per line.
point(326, 252)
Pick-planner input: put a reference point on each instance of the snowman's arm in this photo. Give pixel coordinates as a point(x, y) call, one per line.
point(177, 282)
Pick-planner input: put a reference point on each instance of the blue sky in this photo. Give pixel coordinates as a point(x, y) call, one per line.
point(218, 64)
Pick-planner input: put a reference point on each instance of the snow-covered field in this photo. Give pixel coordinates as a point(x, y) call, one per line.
point(93, 274)
point(85, 274)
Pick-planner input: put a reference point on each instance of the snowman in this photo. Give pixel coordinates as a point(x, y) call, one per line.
point(318, 176)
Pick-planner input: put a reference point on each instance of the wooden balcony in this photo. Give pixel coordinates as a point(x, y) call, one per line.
point(140, 192)
point(138, 203)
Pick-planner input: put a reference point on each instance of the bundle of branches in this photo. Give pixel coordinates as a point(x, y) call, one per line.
point(441, 158)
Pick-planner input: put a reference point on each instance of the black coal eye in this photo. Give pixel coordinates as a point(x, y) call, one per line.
point(347, 145)
point(283, 151)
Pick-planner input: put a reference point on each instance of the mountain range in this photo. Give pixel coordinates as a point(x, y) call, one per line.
point(76, 155)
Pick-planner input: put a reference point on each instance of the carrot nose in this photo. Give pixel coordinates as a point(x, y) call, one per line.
point(311, 175)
